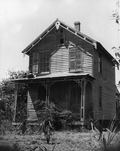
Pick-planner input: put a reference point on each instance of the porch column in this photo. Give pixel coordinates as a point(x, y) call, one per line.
point(82, 110)
point(47, 87)
point(47, 92)
point(15, 101)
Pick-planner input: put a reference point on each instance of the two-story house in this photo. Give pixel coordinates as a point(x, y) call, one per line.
point(72, 70)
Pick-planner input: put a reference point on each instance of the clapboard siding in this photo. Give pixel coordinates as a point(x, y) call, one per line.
point(32, 96)
point(87, 64)
point(60, 61)
point(106, 80)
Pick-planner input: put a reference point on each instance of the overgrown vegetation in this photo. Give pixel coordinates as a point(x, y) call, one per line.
point(7, 100)
point(59, 119)
point(108, 136)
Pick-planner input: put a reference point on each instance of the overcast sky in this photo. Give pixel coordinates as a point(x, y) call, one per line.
point(21, 21)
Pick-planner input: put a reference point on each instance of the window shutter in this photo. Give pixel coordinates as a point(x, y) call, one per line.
point(75, 59)
point(72, 59)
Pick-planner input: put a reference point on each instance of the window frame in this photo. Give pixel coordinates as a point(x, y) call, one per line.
point(44, 62)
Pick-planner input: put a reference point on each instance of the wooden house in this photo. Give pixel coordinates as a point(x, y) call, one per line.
point(72, 70)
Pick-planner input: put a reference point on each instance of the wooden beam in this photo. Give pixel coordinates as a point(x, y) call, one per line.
point(82, 109)
point(15, 102)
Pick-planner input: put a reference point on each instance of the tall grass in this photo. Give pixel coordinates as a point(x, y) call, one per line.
point(107, 139)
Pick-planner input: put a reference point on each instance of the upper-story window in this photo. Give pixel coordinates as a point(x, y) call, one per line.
point(75, 56)
point(35, 63)
point(100, 63)
point(44, 64)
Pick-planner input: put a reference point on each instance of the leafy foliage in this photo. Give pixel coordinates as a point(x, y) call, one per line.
point(7, 95)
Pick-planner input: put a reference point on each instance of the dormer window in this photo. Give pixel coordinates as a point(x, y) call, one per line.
point(75, 56)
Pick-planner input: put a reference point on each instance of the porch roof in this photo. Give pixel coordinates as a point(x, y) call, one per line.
point(54, 76)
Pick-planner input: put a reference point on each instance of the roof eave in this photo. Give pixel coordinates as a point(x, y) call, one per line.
point(65, 26)
point(42, 35)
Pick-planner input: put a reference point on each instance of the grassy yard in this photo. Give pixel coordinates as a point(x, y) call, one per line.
point(60, 141)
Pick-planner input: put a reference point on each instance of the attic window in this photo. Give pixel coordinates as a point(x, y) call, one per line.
point(75, 56)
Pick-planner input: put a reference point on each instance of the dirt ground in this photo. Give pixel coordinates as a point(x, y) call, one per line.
point(60, 141)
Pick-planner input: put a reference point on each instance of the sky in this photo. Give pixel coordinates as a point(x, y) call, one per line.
point(21, 21)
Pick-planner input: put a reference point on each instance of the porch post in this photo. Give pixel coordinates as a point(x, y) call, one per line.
point(15, 101)
point(48, 92)
point(82, 111)
point(47, 87)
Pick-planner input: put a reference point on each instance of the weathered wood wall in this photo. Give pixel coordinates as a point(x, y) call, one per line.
point(87, 64)
point(89, 100)
point(106, 80)
point(60, 60)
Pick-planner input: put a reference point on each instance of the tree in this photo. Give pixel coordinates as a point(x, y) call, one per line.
point(116, 17)
point(7, 95)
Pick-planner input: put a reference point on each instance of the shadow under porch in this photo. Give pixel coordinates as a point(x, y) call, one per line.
point(74, 96)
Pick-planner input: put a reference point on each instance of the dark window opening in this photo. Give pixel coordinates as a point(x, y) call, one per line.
point(61, 41)
point(100, 97)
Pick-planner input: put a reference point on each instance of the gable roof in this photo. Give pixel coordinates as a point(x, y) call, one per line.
point(79, 34)
point(56, 24)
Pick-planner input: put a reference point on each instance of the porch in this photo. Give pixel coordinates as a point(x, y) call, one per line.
point(72, 92)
